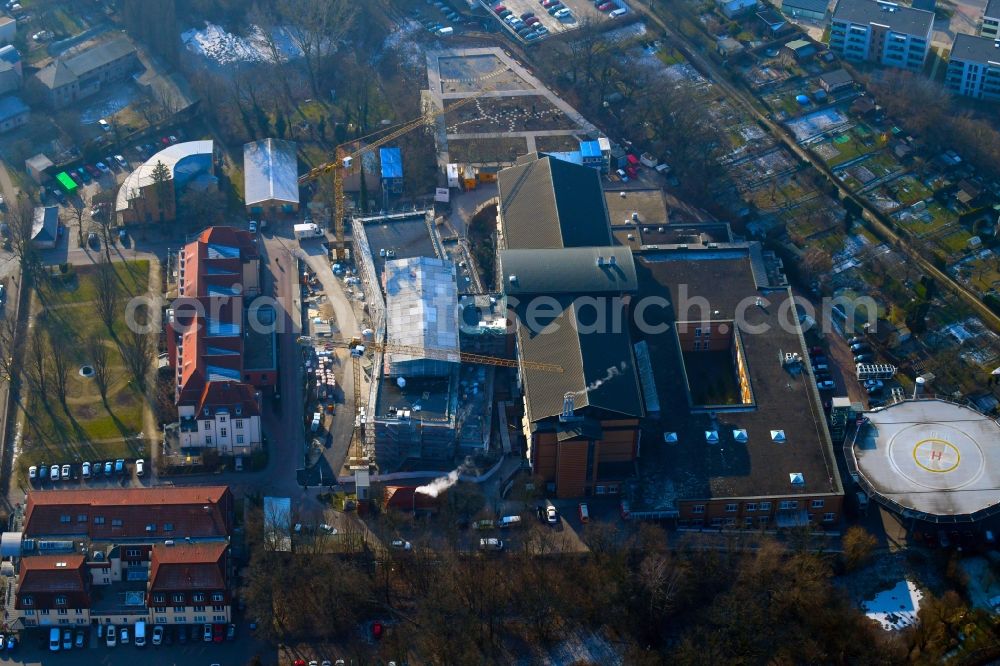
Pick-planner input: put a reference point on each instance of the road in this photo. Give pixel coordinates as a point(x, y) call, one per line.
point(871, 215)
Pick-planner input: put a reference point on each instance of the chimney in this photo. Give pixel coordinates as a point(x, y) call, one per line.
point(612, 261)
point(918, 387)
point(600, 260)
point(567, 410)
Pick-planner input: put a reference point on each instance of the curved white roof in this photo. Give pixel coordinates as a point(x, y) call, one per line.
point(936, 459)
point(143, 174)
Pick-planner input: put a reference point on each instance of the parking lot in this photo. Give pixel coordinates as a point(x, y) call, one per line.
point(579, 12)
point(34, 650)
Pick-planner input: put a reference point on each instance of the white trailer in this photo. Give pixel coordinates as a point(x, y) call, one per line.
point(307, 230)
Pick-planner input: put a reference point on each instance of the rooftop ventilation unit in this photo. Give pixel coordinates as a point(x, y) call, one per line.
point(740, 435)
point(778, 436)
point(712, 436)
point(796, 479)
point(512, 279)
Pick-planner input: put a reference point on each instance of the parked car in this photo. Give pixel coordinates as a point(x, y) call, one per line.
point(11, 641)
point(65, 472)
point(863, 358)
point(67, 641)
point(120, 466)
point(818, 359)
point(206, 633)
point(80, 638)
point(85, 470)
point(157, 635)
point(120, 159)
point(54, 473)
point(253, 226)
point(123, 636)
point(105, 125)
point(93, 241)
point(103, 168)
point(108, 466)
point(401, 544)
point(96, 468)
point(231, 632)
point(826, 385)
point(874, 385)
point(527, 15)
point(860, 347)
point(140, 467)
point(218, 633)
point(92, 170)
point(43, 472)
point(551, 515)
point(491, 543)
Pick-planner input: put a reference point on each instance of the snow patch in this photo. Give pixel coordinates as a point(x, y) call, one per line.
point(895, 608)
point(225, 48)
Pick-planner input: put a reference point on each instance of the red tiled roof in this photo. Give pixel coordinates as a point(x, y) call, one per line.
point(196, 511)
point(229, 395)
point(231, 236)
point(46, 576)
point(405, 498)
point(188, 566)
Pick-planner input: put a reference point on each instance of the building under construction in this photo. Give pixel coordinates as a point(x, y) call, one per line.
point(426, 407)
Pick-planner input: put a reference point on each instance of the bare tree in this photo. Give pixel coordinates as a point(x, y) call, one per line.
point(316, 28)
point(108, 295)
point(58, 346)
point(100, 361)
point(9, 357)
point(136, 348)
point(20, 220)
point(77, 208)
point(36, 367)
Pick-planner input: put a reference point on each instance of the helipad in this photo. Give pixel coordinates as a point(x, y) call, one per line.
point(931, 457)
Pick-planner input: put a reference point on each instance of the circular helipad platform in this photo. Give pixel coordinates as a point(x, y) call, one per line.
point(933, 457)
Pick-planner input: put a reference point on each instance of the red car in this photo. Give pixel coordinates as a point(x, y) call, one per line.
point(532, 21)
point(377, 630)
point(498, 8)
point(92, 170)
point(606, 6)
point(550, 3)
point(165, 141)
point(218, 633)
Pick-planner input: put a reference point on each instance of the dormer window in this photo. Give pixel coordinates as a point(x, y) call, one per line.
point(205, 411)
point(61, 600)
point(27, 600)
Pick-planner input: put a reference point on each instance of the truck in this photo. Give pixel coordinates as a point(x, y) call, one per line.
point(307, 230)
point(509, 521)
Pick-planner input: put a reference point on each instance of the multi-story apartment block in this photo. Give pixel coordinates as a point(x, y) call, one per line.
point(881, 32)
point(221, 344)
point(70, 78)
point(974, 67)
point(159, 555)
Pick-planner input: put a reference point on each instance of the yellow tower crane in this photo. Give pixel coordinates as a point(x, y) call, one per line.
point(339, 165)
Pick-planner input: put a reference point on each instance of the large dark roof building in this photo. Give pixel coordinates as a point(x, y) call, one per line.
point(548, 203)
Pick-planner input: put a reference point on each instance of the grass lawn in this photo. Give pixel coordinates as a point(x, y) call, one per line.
point(909, 190)
point(929, 220)
point(957, 242)
point(670, 57)
point(86, 429)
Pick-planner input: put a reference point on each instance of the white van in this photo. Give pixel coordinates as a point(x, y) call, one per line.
point(617, 12)
point(446, 31)
point(140, 634)
point(509, 521)
point(54, 639)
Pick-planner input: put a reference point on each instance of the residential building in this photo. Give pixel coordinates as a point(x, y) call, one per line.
point(73, 77)
point(811, 10)
point(10, 69)
point(8, 29)
point(799, 49)
point(221, 345)
point(45, 227)
point(13, 113)
point(120, 556)
point(142, 200)
point(188, 583)
point(990, 26)
point(126, 515)
point(270, 178)
point(974, 67)
point(881, 32)
point(38, 166)
point(835, 80)
point(734, 8)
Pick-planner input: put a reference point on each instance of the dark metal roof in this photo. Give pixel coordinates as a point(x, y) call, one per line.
point(899, 18)
point(992, 9)
point(819, 6)
point(99, 56)
point(583, 270)
point(837, 77)
point(596, 357)
point(975, 49)
point(549, 203)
